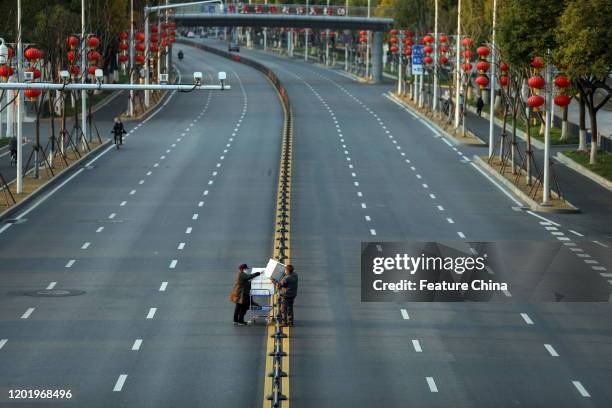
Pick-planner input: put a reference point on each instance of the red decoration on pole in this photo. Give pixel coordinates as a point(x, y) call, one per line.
point(537, 62)
point(535, 101)
point(72, 42)
point(32, 94)
point(562, 100)
point(32, 54)
point(482, 52)
point(93, 42)
point(503, 80)
point(562, 81)
point(467, 42)
point(482, 66)
point(536, 82)
point(428, 39)
point(428, 60)
point(482, 81)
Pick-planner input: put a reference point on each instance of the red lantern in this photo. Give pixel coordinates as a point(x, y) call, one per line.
point(32, 54)
point(393, 32)
point(407, 52)
point(245, 9)
point(393, 49)
point(562, 81)
point(562, 100)
point(140, 37)
point(443, 38)
point(93, 42)
point(75, 70)
point(537, 62)
point(123, 46)
point(93, 56)
point(363, 40)
point(408, 42)
point(536, 82)
point(428, 49)
point(35, 72)
point(428, 39)
point(467, 42)
point(482, 81)
point(171, 39)
point(32, 94)
point(503, 80)
point(123, 58)
point(140, 47)
point(91, 70)
point(140, 59)
point(466, 66)
point(444, 48)
point(503, 67)
point(273, 9)
point(154, 28)
point(363, 33)
point(535, 101)
point(72, 42)
point(393, 40)
point(443, 59)
point(482, 51)
point(153, 48)
point(428, 60)
point(154, 38)
point(468, 54)
point(124, 35)
point(11, 52)
point(164, 43)
point(482, 66)
point(71, 56)
point(5, 71)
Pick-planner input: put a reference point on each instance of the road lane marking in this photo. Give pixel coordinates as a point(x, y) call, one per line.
point(432, 196)
point(432, 384)
point(173, 264)
point(70, 263)
point(576, 233)
point(51, 285)
point(417, 346)
point(599, 268)
point(496, 184)
point(163, 286)
point(141, 182)
point(461, 234)
point(551, 350)
point(3, 342)
point(28, 312)
point(425, 185)
point(151, 313)
point(119, 384)
point(210, 182)
point(405, 315)
point(112, 216)
point(581, 389)
point(450, 221)
point(205, 192)
point(181, 245)
point(367, 218)
point(85, 245)
point(372, 232)
point(543, 218)
point(363, 205)
point(440, 208)
point(201, 203)
point(132, 192)
point(359, 194)
point(123, 203)
point(526, 318)
point(137, 344)
point(195, 217)
point(601, 244)
point(188, 230)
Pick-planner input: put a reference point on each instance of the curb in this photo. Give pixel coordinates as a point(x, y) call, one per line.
point(602, 181)
point(533, 205)
point(9, 212)
point(438, 129)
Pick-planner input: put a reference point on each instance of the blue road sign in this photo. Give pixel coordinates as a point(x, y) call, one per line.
point(417, 60)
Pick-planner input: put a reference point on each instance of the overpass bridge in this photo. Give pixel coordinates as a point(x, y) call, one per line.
point(332, 22)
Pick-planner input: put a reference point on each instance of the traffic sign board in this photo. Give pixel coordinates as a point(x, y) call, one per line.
point(417, 60)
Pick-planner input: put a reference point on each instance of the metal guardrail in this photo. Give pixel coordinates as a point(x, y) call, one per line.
point(282, 236)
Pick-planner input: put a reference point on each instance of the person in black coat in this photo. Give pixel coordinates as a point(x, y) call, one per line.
point(241, 293)
point(479, 105)
point(118, 131)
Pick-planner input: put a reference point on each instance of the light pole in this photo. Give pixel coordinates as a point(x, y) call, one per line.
point(368, 47)
point(493, 82)
point(548, 107)
point(435, 67)
point(346, 53)
point(83, 75)
point(457, 68)
point(327, 39)
point(131, 70)
point(306, 34)
point(146, 64)
point(19, 101)
point(400, 69)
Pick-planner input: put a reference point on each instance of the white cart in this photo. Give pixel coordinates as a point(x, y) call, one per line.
point(262, 298)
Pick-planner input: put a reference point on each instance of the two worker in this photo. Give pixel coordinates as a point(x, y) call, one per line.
point(240, 294)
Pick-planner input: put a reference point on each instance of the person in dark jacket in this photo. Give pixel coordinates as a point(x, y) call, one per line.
point(479, 105)
point(288, 286)
point(241, 293)
point(118, 131)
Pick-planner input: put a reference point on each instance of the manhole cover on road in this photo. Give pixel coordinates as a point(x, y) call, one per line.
point(54, 292)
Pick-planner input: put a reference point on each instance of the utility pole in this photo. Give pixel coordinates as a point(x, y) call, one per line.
point(493, 82)
point(306, 34)
point(346, 53)
point(83, 74)
point(146, 64)
point(548, 107)
point(400, 69)
point(327, 39)
point(19, 102)
point(457, 67)
point(368, 47)
point(131, 68)
point(436, 57)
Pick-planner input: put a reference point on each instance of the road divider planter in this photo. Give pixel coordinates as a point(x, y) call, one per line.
point(276, 382)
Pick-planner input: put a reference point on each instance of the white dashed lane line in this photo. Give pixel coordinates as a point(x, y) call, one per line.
point(551, 350)
point(100, 229)
point(432, 384)
point(526, 318)
point(112, 216)
point(70, 263)
point(404, 313)
point(163, 286)
point(28, 313)
point(583, 392)
point(137, 344)
point(417, 346)
point(3, 343)
point(86, 245)
point(151, 313)
point(120, 382)
point(173, 264)
point(51, 285)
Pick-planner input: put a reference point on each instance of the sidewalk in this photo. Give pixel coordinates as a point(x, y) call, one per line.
point(587, 195)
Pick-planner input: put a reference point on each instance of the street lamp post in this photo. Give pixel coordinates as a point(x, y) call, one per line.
point(19, 101)
point(346, 53)
point(306, 34)
point(368, 47)
point(131, 70)
point(457, 67)
point(548, 106)
point(400, 69)
point(83, 75)
point(435, 67)
point(493, 82)
point(146, 64)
